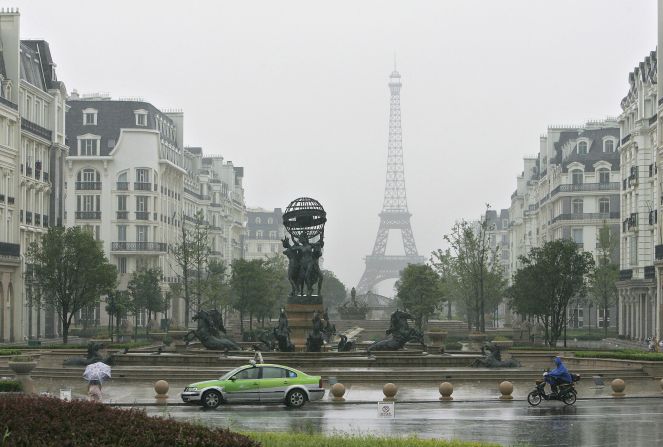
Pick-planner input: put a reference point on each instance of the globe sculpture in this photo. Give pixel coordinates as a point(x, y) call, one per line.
point(305, 216)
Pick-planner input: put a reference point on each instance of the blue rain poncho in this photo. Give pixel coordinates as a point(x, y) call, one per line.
point(560, 373)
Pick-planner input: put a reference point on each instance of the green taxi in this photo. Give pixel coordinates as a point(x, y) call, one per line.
point(256, 383)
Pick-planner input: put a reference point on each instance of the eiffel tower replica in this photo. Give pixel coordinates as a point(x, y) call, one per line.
point(394, 215)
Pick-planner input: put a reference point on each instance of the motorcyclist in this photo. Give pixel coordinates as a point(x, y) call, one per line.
point(557, 376)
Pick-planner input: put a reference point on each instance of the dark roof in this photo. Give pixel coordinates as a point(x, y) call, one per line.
point(252, 226)
point(112, 116)
point(37, 65)
point(195, 150)
point(595, 150)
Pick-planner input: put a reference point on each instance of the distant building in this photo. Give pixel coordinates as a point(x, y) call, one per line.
point(498, 239)
point(32, 152)
point(264, 232)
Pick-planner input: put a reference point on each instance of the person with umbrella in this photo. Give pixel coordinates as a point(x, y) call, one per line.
point(96, 374)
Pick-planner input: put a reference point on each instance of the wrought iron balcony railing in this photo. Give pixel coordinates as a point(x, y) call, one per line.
point(139, 246)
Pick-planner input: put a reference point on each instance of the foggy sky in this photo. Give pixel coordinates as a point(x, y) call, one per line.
point(296, 92)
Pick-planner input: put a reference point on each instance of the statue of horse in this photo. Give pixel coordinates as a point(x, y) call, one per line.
point(399, 333)
point(93, 356)
point(346, 345)
point(210, 328)
point(493, 358)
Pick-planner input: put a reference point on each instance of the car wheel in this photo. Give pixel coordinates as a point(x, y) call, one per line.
point(570, 398)
point(211, 399)
point(534, 398)
point(295, 398)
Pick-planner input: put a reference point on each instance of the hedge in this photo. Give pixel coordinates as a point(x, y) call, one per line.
point(9, 352)
point(317, 440)
point(10, 386)
point(46, 421)
point(626, 354)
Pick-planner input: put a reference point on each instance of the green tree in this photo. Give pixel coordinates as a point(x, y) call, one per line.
point(606, 274)
point(215, 289)
point(117, 307)
point(145, 294)
point(333, 290)
point(419, 291)
point(250, 284)
point(72, 271)
point(550, 277)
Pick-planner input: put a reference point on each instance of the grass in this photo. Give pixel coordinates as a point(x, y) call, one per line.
point(626, 354)
point(269, 439)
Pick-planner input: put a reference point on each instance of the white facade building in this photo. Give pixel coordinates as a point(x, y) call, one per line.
point(264, 233)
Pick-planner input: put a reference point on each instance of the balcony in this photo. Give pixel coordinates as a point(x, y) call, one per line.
point(8, 103)
point(650, 272)
point(36, 129)
point(626, 138)
point(45, 176)
point(10, 200)
point(142, 215)
point(12, 250)
point(28, 217)
point(37, 174)
point(45, 220)
point(122, 215)
point(37, 219)
point(652, 119)
point(142, 186)
point(28, 170)
point(88, 186)
point(139, 246)
point(585, 216)
point(122, 186)
point(88, 215)
point(625, 275)
point(2, 198)
point(611, 186)
point(659, 252)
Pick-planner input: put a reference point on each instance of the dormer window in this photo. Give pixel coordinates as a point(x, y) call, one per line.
point(582, 148)
point(90, 117)
point(609, 145)
point(141, 117)
point(88, 145)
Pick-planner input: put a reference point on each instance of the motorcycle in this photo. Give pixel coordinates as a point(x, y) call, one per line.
point(566, 392)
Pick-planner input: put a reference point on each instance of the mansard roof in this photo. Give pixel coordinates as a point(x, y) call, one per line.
point(594, 150)
point(37, 67)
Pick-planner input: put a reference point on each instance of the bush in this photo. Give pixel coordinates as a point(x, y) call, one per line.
point(9, 352)
point(46, 421)
point(501, 338)
point(316, 440)
point(21, 358)
point(9, 386)
point(626, 354)
point(453, 346)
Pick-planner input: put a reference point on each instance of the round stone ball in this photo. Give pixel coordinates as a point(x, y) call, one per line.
point(618, 386)
point(338, 390)
point(389, 390)
point(161, 387)
point(446, 389)
point(506, 388)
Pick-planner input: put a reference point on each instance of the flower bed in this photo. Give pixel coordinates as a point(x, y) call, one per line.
point(45, 421)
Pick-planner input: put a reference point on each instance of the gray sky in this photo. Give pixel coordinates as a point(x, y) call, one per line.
point(296, 91)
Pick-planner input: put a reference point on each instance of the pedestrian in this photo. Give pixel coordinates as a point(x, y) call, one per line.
point(94, 390)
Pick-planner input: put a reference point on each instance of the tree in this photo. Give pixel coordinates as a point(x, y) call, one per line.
point(250, 284)
point(333, 290)
point(418, 291)
point(550, 277)
point(117, 306)
point(72, 271)
point(215, 289)
point(145, 293)
point(602, 283)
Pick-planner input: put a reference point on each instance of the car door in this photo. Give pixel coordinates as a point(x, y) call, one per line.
point(273, 384)
point(243, 386)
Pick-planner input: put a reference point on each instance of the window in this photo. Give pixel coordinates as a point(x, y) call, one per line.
point(576, 206)
point(141, 233)
point(121, 203)
point(274, 248)
point(89, 175)
point(270, 372)
point(582, 148)
point(87, 203)
point(258, 221)
point(259, 234)
point(576, 177)
point(604, 176)
point(609, 146)
point(141, 117)
point(247, 374)
point(89, 117)
point(259, 248)
point(88, 147)
point(604, 205)
point(122, 265)
point(270, 221)
point(141, 203)
point(577, 235)
point(122, 233)
point(143, 175)
point(633, 251)
point(272, 234)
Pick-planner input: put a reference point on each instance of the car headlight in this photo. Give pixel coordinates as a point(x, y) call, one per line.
point(191, 388)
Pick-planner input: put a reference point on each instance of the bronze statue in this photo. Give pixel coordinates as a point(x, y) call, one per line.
point(399, 333)
point(282, 334)
point(328, 329)
point(493, 358)
point(315, 340)
point(211, 332)
point(93, 356)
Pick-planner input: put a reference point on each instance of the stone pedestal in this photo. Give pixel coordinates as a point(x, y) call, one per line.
point(300, 310)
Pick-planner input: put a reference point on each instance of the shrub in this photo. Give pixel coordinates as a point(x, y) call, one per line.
point(626, 354)
point(9, 352)
point(501, 338)
point(21, 358)
point(7, 386)
point(46, 421)
point(167, 340)
point(453, 346)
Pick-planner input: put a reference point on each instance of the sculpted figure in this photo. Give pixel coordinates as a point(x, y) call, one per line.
point(399, 333)
point(211, 332)
point(315, 341)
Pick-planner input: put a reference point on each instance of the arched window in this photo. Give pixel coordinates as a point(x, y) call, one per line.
point(604, 176)
point(258, 220)
point(577, 177)
point(609, 146)
point(576, 206)
point(270, 221)
point(87, 179)
point(604, 205)
point(582, 148)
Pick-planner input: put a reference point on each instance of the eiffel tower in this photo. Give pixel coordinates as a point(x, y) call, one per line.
point(394, 215)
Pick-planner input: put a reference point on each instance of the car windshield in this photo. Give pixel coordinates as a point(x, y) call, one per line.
point(230, 373)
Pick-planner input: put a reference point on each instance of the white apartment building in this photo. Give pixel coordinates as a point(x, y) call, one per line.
point(264, 233)
point(637, 276)
point(498, 239)
point(569, 190)
point(32, 152)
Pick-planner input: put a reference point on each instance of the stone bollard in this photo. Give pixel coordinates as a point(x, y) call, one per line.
point(337, 392)
point(618, 387)
point(161, 388)
point(389, 390)
point(506, 388)
point(446, 389)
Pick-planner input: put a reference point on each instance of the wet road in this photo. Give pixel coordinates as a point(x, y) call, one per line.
point(597, 422)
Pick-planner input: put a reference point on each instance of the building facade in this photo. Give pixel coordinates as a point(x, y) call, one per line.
point(498, 238)
point(32, 152)
point(264, 233)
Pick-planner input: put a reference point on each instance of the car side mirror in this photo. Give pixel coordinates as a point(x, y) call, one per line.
point(232, 379)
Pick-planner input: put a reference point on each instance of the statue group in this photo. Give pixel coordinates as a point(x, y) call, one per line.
point(492, 358)
point(210, 331)
point(303, 267)
point(399, 333)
